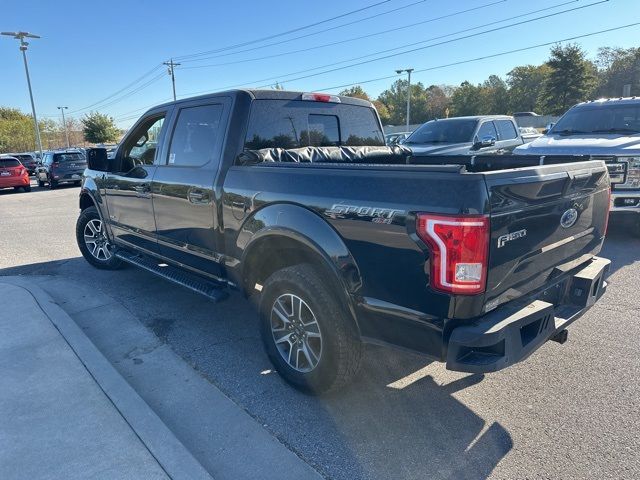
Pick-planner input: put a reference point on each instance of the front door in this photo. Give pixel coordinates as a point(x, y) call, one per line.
point(183, 187)
point(128, 185)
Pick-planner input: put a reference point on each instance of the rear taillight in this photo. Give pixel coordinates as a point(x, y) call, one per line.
point(459, 251)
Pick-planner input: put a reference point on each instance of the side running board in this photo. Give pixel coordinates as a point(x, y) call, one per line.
point(216, 291)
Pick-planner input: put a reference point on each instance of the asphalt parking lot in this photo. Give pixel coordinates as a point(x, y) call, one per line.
point(570, 411)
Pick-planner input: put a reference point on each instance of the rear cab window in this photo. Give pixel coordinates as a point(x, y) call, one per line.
point(297, 123)
point(68, 157)
point(506, 130)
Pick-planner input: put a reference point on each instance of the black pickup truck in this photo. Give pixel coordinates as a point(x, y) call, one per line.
point(292, 199)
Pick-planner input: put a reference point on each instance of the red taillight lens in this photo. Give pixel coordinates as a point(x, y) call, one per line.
point(459, 251)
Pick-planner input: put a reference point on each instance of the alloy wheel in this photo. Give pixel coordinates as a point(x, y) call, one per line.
point(96, 241)
point(296, 332)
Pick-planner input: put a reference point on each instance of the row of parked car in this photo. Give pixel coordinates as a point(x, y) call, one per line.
point(55, 168)
point(605, 129)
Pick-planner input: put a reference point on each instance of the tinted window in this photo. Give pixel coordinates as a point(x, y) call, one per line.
point(601, 119)
point(68, 157)
point(487, 130)
point(293, 124)
point(323, 131)
point(443, 131)
point(195, 136)
point(140, 147)
point(9, 162)
point(506, 130)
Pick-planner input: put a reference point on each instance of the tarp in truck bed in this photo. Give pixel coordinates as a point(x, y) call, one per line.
point(396, 154)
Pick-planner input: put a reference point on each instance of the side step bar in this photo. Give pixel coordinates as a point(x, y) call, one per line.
point(216, 291)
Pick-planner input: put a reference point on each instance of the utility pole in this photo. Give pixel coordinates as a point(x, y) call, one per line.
point(408, 71)
point(170, 71)
point(64, 123)
point(23, 48)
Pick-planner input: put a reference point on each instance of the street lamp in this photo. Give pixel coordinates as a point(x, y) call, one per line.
point(408, 71)
point(64, 123)
point(23, 48)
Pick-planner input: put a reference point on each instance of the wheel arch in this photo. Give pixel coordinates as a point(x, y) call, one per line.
point(285, 235)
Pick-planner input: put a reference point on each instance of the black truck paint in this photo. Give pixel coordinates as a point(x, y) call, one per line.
point(239, 223)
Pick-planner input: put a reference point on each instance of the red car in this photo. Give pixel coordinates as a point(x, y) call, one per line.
point(13, 174)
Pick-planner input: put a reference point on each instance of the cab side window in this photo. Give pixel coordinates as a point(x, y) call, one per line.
point(506, 130)
point(195, 136)
point(140, 147)
point(487, 129)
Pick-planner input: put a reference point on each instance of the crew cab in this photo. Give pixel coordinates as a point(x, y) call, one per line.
point(476, 135)
point(293, 199)
point(606, 129)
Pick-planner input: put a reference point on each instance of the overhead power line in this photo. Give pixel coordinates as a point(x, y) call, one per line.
point(321, 32)
point(281, 34)
point(484, 57)
point(353, 39)
point(283, 77)
point(129, 85)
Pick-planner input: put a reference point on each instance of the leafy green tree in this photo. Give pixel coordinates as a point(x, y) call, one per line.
point(466, 100)
point(571, 78)
point(494, 97)
point(525, 87)
point(99, 128)
point(618, 67)
point(358, 92)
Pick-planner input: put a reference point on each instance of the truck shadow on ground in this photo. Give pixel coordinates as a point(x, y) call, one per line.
point(622, 245)
point(399, 419)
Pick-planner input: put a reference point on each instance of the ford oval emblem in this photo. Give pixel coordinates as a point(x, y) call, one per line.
point(569, 218)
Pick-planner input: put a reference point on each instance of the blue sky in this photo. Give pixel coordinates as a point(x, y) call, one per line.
point(88, 53)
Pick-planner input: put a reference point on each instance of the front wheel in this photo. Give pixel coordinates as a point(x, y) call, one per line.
point(307, 333)
point(93, 242)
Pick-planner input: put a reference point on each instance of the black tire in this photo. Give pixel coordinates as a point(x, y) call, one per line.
point(27, 188)
point(16, 189)
point(112, 262)
point(78, 183)
point(341, 348)
point(52, 185)
point(40, 183)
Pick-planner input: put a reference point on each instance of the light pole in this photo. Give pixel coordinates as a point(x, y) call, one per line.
point(408, 71)
point(64, 123)
point(23, 48)
point(170, 71)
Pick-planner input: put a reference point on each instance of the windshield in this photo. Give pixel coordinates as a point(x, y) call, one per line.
point(623, 119)
point(443, 131)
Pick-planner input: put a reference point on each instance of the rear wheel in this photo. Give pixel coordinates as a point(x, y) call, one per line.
point(52, 184)
point(40, 183)
point(306, 331)
point(93, 242)
point(27, 188)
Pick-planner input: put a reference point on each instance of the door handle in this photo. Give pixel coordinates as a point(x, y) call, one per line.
point(197, 196)
point(142, 188)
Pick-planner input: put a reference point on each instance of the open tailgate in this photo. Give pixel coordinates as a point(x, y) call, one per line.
point(545, 220)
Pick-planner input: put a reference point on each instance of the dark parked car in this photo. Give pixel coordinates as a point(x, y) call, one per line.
point(13, 174)
point(477, 135)
point(61, 167)
point(273, 193)
point(27, 160)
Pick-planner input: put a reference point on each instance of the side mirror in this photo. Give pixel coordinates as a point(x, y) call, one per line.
point(97, 159)
point(548, 128)
point(486, 141)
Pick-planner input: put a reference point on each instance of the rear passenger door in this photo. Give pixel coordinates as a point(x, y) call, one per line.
point(184, 199)
point(508, 137)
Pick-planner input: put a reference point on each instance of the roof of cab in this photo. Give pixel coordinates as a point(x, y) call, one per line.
point(265, 95)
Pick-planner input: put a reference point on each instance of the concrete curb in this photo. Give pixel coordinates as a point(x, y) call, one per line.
point(163, 445)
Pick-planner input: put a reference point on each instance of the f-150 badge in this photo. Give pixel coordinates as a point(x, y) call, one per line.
point(503, 239)
point(378, 215)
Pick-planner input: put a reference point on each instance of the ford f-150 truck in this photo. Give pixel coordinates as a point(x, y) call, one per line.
point(293, 199)
point(609, 130)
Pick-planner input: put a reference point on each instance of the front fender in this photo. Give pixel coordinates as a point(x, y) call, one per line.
point(305, 226)
point(90, 191)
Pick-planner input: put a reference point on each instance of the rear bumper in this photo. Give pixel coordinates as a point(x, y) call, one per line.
point(8, 182)
point(625, 202)
point(509, 335)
